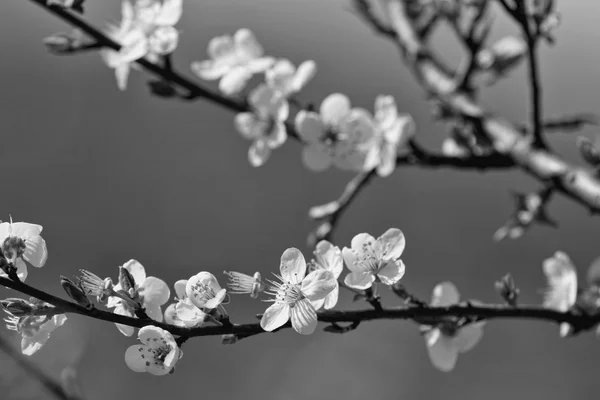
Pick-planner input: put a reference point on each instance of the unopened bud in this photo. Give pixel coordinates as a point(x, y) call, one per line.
point(17, 307)
point(75, 292)
point(229, 339)
point(588, 151)
point(126, 280)
point(507, 289)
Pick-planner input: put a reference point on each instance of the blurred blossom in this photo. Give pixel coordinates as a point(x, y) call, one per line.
point(146, 29)
point(34, 329)
point(561, 292)
point(503, 55)
point(452, 148)
point(446, 340)
point(240, 283)
point(338, 135)
point(295, 295)
point(329, 258)
point(157, 354)
point(373, 260)
point(393, 133)
point(265, 125)
point(22, 245)
point(233, 60)
point(149, 292)
point(286, 78)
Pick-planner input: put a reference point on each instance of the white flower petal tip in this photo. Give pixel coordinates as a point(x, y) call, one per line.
point(375, 260)
point(204, 291)
point(22, 245)
point(295, 295)
point(447, 340)
point(157, 354)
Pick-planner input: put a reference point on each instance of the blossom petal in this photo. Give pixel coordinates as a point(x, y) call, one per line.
point(401, 131)
point(209, 69)
point(391, 272)
point(309, 126)
point(136, 357)
point(124, 329)
point(260, 64)
point(359, 280)
point(330, 257)
point(318, 284)
point(358, 125)
point(275, 316)
point(365, 246)
point(391, 244)
point(259, 152)
point(155, 291)
point(21, 270)
point(171, 317)
point(352, 261)
point(332, 298)
point(201, 288)
point(387, 160)
point(386, 111)
point(445, 294)
point(20, 229)
point(136, 270)
point(334, 108)
point(30, 346)
point(304, 317)
point(442, 350)
point(317, 304)
point(218, 299)
point(280, 75)
point(170, 12)
point(180, 288)
point(277, 136)
point(154, 311)
point(247, 46)
point(155, 337)
point(468, 336)
point(234, 80)
point(305, 72)
point(249, 125)
point(35, 252)
point(293, 265)
point(222, 49)
point(134, 47)
point(316, 158)
point(561, 275)
point(121, 75)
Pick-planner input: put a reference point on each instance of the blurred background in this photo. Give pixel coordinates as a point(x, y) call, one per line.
point(114, 176)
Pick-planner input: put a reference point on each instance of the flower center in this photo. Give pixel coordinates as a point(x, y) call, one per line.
point(448, 328)
point(13, 248)
point(204, 291)
point(290, 293)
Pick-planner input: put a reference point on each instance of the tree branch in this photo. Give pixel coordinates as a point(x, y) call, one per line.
point(579, 184)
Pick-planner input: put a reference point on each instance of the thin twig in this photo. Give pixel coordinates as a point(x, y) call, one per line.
point(33, 370)
point(579, 184)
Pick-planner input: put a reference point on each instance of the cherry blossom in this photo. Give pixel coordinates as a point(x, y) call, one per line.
point(295, 294)
point(286, 78)
point(393, 131)
point(157, 354)
point(265, 125)
point(34, 329)
point(240, 283)
point(446, 340)
point(329, 258)
point(184, 313)
point(148, 292)
point(233, 60)
point(374, 260)
point(338, 135)
point(503, 55)
point(22, 245)
point(561, 292)
point(204, 291)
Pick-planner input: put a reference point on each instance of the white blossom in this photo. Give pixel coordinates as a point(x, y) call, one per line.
point(446, 340)
point(374, 260)
point(561, 292)
point(184, 313)
point(233, 60)
point(286, 78)
point(265, 125)
point(35, 330)
point(22, 245)
point(295, 294)
point(157, 354)
point(329, 258)
point(149, 292)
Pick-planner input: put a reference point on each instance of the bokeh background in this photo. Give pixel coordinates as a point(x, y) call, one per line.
point(113, 176)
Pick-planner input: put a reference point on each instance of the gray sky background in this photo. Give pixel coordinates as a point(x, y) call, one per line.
point(113, 176)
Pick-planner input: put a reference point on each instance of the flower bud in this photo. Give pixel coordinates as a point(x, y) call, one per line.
point(17, 307)
point(126, 280)
point(75, 292)
point(507, 289)
point(588, 151)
